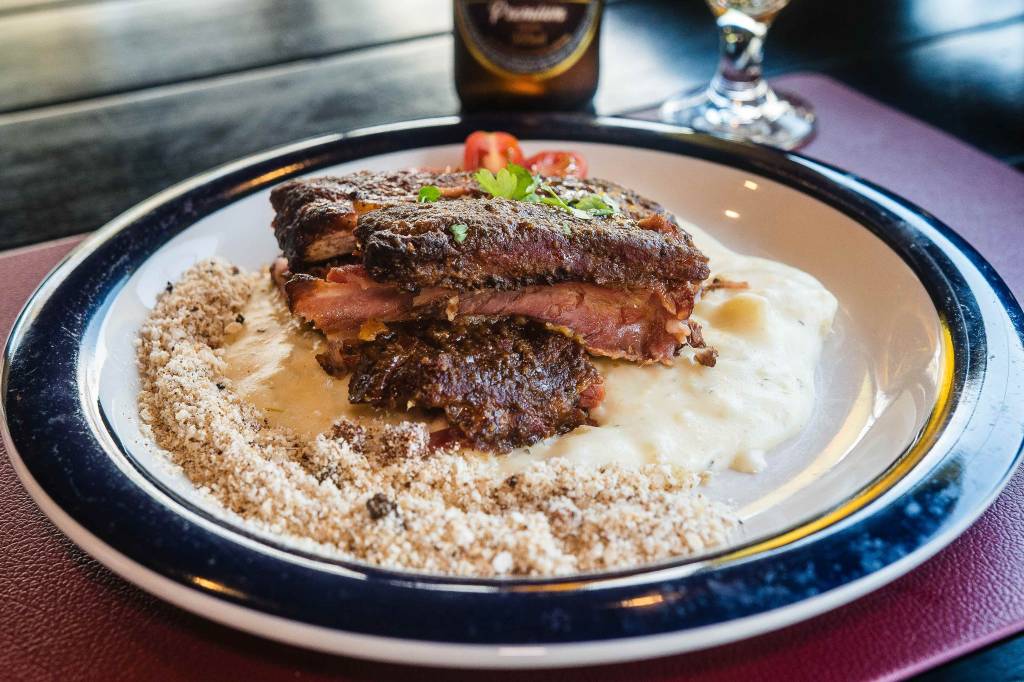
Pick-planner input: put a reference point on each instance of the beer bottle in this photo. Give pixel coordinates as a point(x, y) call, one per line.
point(526, 54)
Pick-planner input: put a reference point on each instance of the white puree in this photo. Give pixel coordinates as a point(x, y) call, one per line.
point(761, 392)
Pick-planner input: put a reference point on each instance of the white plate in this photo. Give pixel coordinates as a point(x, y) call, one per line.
point(860, 496)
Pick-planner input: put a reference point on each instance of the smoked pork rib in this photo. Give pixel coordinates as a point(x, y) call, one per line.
point(506, 244)
point(483, 308)
point(315, 217)
point(501, 384)
point(638, 324)
point(622, 290)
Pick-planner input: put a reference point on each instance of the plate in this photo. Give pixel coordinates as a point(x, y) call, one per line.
point(919, 422)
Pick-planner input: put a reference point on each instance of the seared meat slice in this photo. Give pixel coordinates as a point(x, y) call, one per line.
point(638, 324)
point(501, 384)
point(634, 205)
point(509, 244)
point(347, 299)
point(316, 216)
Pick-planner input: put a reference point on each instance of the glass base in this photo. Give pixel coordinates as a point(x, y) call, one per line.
point(786, 122)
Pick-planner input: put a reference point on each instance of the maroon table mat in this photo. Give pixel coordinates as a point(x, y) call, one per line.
point(65, 616)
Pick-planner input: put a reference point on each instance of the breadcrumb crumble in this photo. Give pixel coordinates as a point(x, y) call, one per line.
point(377, 492)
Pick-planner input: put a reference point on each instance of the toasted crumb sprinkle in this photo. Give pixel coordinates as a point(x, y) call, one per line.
point(377, 493)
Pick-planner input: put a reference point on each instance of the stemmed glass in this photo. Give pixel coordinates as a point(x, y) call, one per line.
point(739, 103)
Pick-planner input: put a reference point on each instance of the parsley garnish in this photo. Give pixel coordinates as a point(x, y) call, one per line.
point(515, 182)
point(429, 193)
point(587, 207)
point(459, 232)
point(558, 202)
point(526, 184)
point(511, 182)
point(596, 205)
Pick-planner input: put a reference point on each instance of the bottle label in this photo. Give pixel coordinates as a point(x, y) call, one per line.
point(527, 38)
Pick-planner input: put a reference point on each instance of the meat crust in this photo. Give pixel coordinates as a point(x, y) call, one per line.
point(634, 205)
point(315, 216)
point(511, 244)
point(501, 384)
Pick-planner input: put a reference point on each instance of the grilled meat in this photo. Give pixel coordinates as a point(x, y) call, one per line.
point(316, 216)
point(488, 322)
point(511, 244)
point(501, 384)
point(634, 205)
point(637, 324)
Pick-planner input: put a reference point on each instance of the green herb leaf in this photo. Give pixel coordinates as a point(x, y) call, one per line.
point(554, 200)
point(501, 185)
point(566, 230)
point(596, 205)
point(511, 182)
point(459, 231)
point(487, 181)
point(429, 193)
point(515, 182)
point(526, 183)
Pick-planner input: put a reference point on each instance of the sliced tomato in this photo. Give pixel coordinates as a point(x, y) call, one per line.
point(492, 151)
point(559, 163)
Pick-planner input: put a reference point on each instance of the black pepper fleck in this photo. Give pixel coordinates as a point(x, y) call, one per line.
point(169, 288)
point(240, 318)
point(380, 506)
point(512, 481)
point(220, 387)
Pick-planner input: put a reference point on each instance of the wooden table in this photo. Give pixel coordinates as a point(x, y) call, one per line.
point(104, 102)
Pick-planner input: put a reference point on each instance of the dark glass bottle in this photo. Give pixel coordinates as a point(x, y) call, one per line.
point(526, 54)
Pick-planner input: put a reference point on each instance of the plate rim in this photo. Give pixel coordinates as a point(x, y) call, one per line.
point(755, 155)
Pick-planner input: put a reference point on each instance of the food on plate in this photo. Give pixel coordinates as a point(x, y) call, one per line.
point(500, 382)
point(622, 290)
point(315, 218)
point(621, 287)
point(490, 371)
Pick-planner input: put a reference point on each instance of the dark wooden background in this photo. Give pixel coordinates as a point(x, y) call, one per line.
point(104, 102)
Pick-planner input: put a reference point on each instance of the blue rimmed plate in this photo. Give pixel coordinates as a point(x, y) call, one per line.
point(919, 425)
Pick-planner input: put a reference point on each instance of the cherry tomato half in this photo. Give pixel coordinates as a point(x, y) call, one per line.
point(492, 151)
point(557, 163)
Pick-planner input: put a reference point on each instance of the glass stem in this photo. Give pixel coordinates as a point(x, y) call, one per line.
point(739, 79)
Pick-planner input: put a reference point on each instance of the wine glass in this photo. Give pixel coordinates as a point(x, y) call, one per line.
point(739, 103)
